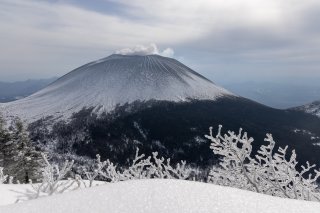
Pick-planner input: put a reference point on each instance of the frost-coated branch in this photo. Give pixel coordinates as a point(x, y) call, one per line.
point(3, 177)
point(96, 170)
point(143, 167)
point(53, 180)
point(268, 172)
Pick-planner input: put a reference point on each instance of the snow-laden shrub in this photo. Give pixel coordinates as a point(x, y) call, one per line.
point(269, 171)
point(142, 167)
point(53, 180)
point(96, 170)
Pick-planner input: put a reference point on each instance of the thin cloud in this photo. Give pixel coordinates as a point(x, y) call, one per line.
point(146, 50)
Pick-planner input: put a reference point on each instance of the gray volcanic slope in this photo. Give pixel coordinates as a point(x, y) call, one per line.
point(313, 108)
point(116, 80)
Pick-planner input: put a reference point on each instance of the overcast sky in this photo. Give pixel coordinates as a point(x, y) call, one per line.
point(225, 40)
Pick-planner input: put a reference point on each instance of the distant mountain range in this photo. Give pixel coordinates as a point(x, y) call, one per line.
point(280, 95)
point(11, 91)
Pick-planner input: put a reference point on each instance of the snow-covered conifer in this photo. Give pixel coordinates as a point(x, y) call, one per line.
point(4, 139)
point(21, 159)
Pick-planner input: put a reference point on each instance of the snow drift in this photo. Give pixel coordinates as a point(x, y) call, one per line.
point(113, 81)
point(161, 196)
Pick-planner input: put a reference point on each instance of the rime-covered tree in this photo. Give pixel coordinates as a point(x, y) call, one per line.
point(142, 167)
point(20, 158)
point(4, 139)
point(273, 172)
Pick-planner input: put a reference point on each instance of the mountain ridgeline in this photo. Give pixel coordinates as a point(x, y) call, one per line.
point(11, 91)
point(117, 104)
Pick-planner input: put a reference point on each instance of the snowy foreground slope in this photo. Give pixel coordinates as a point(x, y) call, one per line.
point(113, 81)
point(9, 193)
point(165, 196)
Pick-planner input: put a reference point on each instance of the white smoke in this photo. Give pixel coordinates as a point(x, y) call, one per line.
point(146, 50)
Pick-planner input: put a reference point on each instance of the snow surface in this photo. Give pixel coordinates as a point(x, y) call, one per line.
point(9, 193)
point(313, 108)
point(116, 80)
point(158, 196)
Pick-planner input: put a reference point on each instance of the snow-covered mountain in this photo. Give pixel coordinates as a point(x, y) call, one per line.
point(312, 108)
point(114, 81)
point(154, 103)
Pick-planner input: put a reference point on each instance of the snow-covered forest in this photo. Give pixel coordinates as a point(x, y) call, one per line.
point(271, 172)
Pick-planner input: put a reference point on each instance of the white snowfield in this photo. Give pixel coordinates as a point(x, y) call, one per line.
point(116, 80)
point(157, 196)
point(9, 193)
